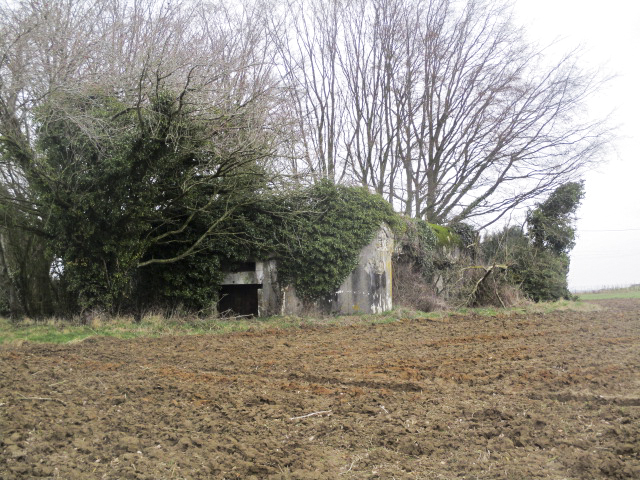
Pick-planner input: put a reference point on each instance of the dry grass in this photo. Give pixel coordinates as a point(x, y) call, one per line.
point(56, 330)
point(410, 290)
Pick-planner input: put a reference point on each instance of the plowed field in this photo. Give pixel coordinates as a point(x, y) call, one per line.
point(522, 396)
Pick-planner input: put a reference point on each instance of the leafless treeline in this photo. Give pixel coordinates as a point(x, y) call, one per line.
point(441, 106)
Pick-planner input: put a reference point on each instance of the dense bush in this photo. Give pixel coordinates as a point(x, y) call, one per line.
point(538, 260)
point(416, 247)
point(319, 246)
point(461, 270)
point(543, 275)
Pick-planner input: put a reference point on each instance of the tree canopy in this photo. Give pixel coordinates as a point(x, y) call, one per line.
point(444, 107)
point(143, 138)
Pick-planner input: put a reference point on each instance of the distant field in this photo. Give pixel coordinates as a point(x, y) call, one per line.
point(610, 293)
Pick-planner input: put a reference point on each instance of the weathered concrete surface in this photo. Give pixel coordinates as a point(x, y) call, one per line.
point(244, 278)
point(366, 290)
point(270, 300)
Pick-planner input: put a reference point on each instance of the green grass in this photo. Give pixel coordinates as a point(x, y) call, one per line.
point(58, 331)
point(69, 331)
point(607, 294)
point(61, 331)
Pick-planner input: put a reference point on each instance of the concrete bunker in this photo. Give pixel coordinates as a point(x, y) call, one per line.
point(253, 289)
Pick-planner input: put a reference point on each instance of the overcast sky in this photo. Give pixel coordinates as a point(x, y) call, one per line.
point(607, 252)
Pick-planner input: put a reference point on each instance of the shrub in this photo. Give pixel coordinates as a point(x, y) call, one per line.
point(320, 247)
point(411, 289)
point(416, 247)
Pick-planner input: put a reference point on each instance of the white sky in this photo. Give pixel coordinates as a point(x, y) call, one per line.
point(607, 251)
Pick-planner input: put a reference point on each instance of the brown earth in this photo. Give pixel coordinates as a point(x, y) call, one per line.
point(535, 396)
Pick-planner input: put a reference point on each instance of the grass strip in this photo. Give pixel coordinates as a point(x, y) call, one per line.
point(68, 331)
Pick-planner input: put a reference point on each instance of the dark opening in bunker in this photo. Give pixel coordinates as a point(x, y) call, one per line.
point(239, 299)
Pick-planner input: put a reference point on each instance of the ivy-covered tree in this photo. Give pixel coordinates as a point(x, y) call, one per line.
point(551, 228)
point(538, 259)
point(128, 189)
point(551, 223)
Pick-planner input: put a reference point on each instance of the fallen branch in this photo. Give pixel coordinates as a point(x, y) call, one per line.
point(487, 271)
point(311, 414)
point(43, 399)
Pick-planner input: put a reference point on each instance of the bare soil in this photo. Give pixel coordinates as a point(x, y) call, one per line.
point(522, 396)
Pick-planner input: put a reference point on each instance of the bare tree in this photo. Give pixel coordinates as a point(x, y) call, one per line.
point(496, 126)
point(308, 36)
point(372, 63)
point(444, 106)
